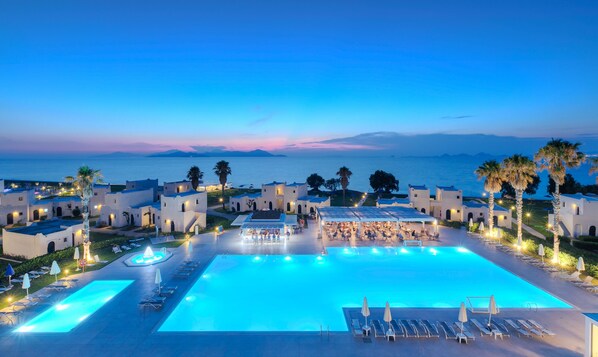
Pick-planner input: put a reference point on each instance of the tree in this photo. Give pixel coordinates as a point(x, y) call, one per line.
point(493, 176)
point(83, 182)
point(569, 185)
point(315, 181)
point(344, 175)
point(507, 190)
point(594, 165)
point(194, 175)
point(382, 181)
point(332, 184)
point(556, 157)
point(222, 170)
point(519, 172)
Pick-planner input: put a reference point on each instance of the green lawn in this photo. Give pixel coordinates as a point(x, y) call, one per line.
point(535, 213)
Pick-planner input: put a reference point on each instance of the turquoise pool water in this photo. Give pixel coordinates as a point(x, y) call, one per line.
point(73, 310)
point(302, 292)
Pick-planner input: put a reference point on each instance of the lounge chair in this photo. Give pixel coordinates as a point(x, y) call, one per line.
point(504, 332)
point(530, 328)
point(410, 331)
point(24, 303)
point(422, 331)
point(398, 329)
point(464, 330)
point(587, 282)
point(125, 247)
point(155, 302)
point(181, 275)
point(541, 328)
point(97, 259)
point(483, 329)
point(432, 329)
point(356, 327)
point(520, 331)
point(378, 329)
point(57, 287)
point(4, 288)
point(135, 245)
point(116, 250)
point(449, 332)
point(9, 317)
point(569, 277)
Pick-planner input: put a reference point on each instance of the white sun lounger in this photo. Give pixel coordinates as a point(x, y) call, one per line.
point(544, 331)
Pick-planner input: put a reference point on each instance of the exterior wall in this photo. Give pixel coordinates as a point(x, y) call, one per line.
point(448, 200)
point(171, 188)
point(503, 217)
point(97, 200)
point(16, 204)
point(65, 206)
point(578, 215)
point(44, 211)
point(31, 246)
point(240, 203)
point(143, 184)
point(308, 207)
point(291, 195)
point(119, 202)
point(272, 193)
point(420, 199)
point(171, 207)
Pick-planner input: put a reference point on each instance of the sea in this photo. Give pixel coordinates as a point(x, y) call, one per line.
point(246, 171)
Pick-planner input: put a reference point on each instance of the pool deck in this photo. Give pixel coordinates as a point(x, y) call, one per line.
point(121, 328)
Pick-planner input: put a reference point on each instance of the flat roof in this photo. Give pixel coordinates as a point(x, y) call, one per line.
point(389, 201)
point(580, 196)
point(274, 183)
point(373, 214)
point(447, 188)
point(315, 199)
point(266, 215)
point(46, 227)
point(418, 187)
point(250, 195)
point(183, 194)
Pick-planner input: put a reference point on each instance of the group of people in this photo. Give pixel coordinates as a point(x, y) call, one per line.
point(375, 231)
point(265, 235)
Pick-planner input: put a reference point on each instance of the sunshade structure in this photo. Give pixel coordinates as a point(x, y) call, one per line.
point(372, 214)
point(580, 264)
point(55, 270)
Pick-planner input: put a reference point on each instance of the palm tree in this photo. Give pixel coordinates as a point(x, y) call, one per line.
point(494, 177)
point(556, 157)
point(194, 175)
point(222, 170)
point(83, 183)
point(594, 165)
point(344, 174)
point(519, 172)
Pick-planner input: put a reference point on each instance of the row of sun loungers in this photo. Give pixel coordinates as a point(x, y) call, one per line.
point(185, 270)
point(456, 331)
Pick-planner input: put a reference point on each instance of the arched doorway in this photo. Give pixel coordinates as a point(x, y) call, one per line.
point(470, 216)
point(238, 207)
point(592, 231)
point(172, 226)
point(298, 209)
point(495, 220)
point(132, 219)
point(254, 206)
point(288, 206)
point(51, 247)
point(36, 215)
point(423, 210)
point(10, 219)
point(577, 211)
point(182, 207)
point(311, 210)
point(58, 211)
point(270, 205)
point(448, 215)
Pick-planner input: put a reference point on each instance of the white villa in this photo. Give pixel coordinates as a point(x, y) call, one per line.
point(579, 215)
point(279, 196)
point(448, 205)
point(122, 208)
point(14, 205)
point(144, 184)
point(41, 238)
point(181, 212)
point(171, 188)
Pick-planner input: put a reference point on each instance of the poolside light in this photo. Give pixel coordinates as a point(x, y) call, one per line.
point(257, 258)
point(500, 202)
point(462, 250)
point(403, 250)
point(287, 258)
point(319, 258)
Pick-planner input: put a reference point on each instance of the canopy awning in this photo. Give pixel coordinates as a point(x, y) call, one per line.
point(372, 214)
point(239, 220)
point(265, 225)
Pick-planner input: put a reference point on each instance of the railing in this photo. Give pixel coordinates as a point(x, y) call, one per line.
point(532, 306)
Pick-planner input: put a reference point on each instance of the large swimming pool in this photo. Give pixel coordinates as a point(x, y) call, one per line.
point(304, 292)
point(76, 308)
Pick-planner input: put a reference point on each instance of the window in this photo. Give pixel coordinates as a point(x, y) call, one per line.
point(164, 204)
point(196, 202)
point(64, 240)
point(20, 198)
point(481, 214)
point(563, 204)
point(95, 193)
point(293, 191)
point(458, 196)
point(415, 195)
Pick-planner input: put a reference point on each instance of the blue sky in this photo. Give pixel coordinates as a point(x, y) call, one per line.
point(123, 75)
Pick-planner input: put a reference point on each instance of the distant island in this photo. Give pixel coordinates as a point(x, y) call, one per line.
point(216, 153)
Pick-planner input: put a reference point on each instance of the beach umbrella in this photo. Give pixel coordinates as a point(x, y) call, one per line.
point(462, 315)
point(26, 283)
point(158, 279)
point(387, 315)
point(9, 272)
point(492, 309)
point(580, 264)
point(76, 256)
point(481, 228)
point(55, 270)
point(541, 251)
point(365, 310)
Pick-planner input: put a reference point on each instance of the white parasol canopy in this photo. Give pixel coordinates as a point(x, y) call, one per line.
point(365, 310)
point(26, 283)
point(55, 269)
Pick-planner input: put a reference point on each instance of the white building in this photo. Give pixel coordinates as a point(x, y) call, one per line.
point(579, 215)
point(448, 204)
point(14, 205)
point(181, 212)
point(292, 198)
point(480, 211)
point(394, 201)
point(97, 200)
point(41, 238)
point(170, 188)
point(419, 197)
point(118, 207)
point(144, 184)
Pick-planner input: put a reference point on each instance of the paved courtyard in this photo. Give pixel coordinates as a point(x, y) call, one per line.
point(122, 328)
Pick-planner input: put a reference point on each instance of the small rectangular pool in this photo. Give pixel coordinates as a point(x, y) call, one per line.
point(70, 312)
point(304, 292)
